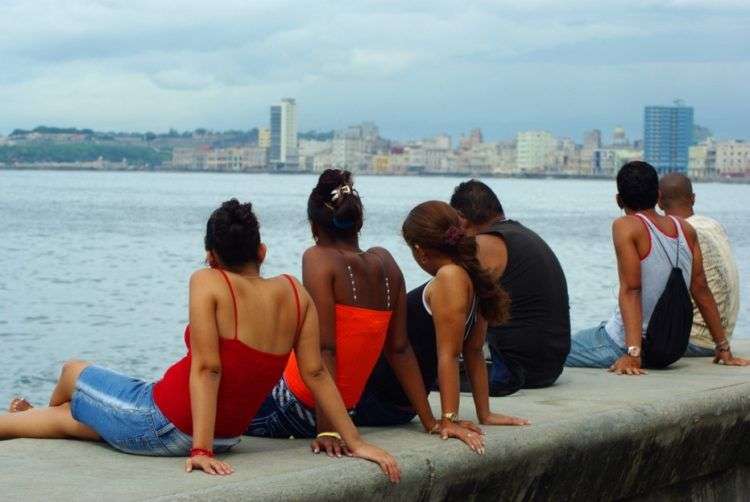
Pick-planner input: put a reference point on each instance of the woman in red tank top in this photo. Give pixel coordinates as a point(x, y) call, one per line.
point(241, 333)
point(360, 297)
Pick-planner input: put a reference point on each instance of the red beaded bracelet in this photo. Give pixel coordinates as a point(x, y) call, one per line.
point(198, 452)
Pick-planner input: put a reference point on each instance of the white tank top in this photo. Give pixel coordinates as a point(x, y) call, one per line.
point(655, 270)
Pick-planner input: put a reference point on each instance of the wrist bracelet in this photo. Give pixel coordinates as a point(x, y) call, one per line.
point(201, 452)
point(329, 435)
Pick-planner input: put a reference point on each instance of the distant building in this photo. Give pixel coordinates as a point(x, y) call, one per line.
point(619, 137)
point(236, 159)
point(264, 137)
point(702, 160)
point(701, 134)
point(733, 158)
point(667, 136)
point(532, 150)
point(284, 149)
point(592, 139)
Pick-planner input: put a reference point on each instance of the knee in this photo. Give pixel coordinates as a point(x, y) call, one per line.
point(72, 368)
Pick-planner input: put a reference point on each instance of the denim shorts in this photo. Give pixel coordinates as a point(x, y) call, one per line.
point(282, 415)
point(122, 411)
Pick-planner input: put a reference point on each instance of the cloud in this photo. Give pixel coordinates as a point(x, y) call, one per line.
point(220, 64)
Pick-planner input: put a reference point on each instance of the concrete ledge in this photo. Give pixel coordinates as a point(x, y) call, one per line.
point(679, 433)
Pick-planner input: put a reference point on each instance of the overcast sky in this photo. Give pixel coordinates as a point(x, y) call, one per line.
point(414, 67)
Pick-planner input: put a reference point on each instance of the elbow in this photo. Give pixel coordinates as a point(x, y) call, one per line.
point(312, 376)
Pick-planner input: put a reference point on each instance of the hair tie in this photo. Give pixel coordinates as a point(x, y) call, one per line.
point(336, 193)
point(342, 225)
point(453, 235)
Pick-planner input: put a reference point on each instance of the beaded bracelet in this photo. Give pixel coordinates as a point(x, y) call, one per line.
point(201, 452)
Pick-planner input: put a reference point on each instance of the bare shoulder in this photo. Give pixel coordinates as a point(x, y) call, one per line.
point(386, 255)
point(627, 225)
point(204, 277)
point(318, 258)
point(491, 243)
point(452, 275)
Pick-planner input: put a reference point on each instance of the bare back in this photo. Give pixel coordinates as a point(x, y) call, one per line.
point(266, 311)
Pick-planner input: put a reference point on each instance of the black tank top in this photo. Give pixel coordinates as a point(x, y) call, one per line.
point(536, 340)
point(421, 332)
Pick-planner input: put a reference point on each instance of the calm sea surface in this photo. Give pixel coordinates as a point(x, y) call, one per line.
point(96, 265)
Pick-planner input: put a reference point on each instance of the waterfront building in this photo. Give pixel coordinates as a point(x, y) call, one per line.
point(733, 158)
point(264, 137)
point(284, 149)
point(619, 137)
point(532, 150)
point(607, 161)
point(592, 139)
point(667, 135)
point(205, 158)
point(702, 160)
point(309, 149)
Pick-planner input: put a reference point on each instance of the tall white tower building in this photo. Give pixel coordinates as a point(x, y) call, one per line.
point(284, 146)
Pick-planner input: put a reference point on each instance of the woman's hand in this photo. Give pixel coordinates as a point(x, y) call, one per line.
point(498, 419)
point(331, 445)
point(381, 457)
point(208, 465)
point(473, 436)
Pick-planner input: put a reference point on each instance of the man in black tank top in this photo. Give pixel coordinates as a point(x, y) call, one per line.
point(529, 350)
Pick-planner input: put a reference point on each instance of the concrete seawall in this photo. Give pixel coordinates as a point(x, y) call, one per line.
point(675, 434)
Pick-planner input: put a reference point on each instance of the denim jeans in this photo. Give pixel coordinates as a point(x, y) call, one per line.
point(282, 415)
point(696, 351)
point(371, 411)
point(593, 348)
point(122, 411)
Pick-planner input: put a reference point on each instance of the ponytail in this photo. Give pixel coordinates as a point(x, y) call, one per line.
point(435, 225)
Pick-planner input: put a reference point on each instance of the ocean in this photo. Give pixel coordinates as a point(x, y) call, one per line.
point(96, 264)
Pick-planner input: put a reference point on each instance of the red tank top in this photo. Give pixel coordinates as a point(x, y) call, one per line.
point(247, 377)
point(360, 335)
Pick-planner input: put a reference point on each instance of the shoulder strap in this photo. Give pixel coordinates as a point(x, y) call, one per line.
point(297, 304)
point(657, 236)
point(680, 236)
point(234, 299)
point(386, 279)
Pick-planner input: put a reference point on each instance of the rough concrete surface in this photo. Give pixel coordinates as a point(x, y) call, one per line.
point(682, 432)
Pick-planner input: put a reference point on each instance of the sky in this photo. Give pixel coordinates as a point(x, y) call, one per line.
point(415, 68)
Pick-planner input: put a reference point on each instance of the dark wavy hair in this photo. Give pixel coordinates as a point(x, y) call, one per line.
point(435, 225)
point(638, 185)
point(233, 233)
point(334, 206)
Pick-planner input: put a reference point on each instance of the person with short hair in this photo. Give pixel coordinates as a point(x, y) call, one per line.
point(243, 328)
point(648, 246)
point(676, 198)
point(528, 350)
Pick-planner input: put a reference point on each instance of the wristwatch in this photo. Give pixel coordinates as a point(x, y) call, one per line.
point(634, 351)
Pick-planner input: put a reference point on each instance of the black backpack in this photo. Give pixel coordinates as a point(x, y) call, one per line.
point(668, 330)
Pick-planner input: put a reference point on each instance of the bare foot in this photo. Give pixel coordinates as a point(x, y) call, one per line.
point(19, 404)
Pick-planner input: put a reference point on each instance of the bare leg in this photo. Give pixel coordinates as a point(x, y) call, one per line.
point(55, 422)
point(63, 392)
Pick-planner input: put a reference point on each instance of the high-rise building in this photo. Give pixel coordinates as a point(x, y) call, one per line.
point(284, 150)
point(667, 136)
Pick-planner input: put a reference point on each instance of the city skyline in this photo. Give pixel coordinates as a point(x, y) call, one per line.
point(506, 67)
